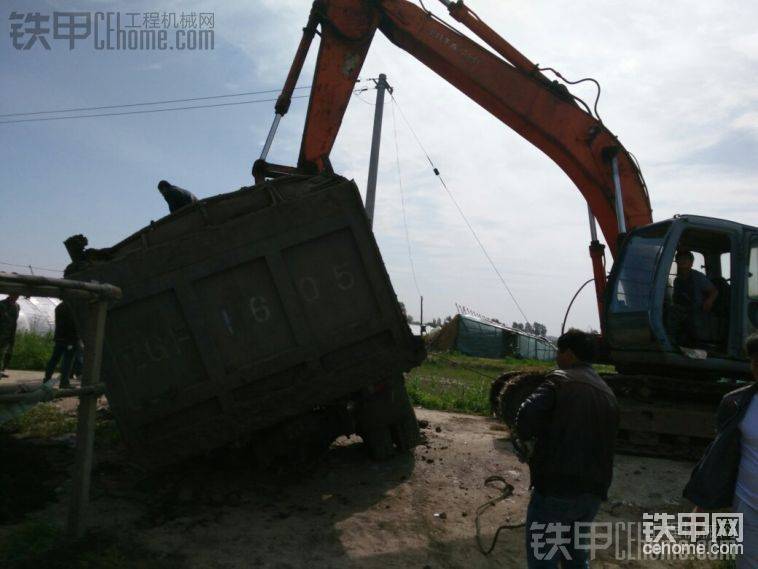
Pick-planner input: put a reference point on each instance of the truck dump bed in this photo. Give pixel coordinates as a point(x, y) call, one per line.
point(245, 309)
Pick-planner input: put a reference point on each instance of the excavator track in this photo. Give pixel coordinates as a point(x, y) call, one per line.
point(659, 416)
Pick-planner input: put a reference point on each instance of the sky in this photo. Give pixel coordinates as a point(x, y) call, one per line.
point(679, 89)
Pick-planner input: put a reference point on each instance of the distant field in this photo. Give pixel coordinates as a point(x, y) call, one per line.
point(453, 382)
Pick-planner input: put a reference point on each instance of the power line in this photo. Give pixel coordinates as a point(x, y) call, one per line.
point(362, 100)
point(402, 201)
point(30, 267)
point(147, 103)
point(146, 111)
point(357, 95)
point(460, 211)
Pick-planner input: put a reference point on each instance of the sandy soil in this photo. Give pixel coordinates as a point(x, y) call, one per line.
point(345, 511)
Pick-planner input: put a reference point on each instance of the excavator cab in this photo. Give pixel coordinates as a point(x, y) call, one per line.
point(648, 332)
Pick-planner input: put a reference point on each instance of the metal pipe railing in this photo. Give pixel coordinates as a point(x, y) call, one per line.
point(98, 295)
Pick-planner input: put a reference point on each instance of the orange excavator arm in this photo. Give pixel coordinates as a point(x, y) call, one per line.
point(505, 83)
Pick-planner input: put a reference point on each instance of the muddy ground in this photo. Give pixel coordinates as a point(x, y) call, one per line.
point(341, 511)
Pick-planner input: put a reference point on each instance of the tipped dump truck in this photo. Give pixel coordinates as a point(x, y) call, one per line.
point(264, 314)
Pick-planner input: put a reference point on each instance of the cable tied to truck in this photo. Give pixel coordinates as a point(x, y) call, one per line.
point(402, 200)
point(458, 207)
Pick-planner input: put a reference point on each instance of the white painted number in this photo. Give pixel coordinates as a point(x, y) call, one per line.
point(309, 289)
point(260, 309)
point(345, 279)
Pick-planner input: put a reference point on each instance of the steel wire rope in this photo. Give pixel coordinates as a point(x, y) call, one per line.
point(460, 211)
point(402, 202)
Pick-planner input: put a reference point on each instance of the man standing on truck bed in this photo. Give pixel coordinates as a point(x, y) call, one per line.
point(572, 419)
point(175, 197)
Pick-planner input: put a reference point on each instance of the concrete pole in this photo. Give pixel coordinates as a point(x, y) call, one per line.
point(373, 165)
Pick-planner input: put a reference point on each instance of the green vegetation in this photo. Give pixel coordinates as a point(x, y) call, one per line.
point(454, 382)
point(38, 544)
point(42, 421)
point(31, 351)
point(47, 420)
point(27, 541)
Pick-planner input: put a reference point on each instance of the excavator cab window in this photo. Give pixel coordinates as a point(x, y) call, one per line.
point(635, 280)
point(687, 323)
point(631, 301)
point(752, 286)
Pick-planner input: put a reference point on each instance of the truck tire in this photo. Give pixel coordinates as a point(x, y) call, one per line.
point(496, 387)
point(513, 392)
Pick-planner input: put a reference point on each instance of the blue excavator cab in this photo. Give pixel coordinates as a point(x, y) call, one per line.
point(643, 324)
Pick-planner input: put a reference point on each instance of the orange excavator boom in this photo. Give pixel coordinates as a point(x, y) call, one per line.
point(505, 83)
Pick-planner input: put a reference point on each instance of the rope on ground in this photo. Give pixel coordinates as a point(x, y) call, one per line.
point(505, 492)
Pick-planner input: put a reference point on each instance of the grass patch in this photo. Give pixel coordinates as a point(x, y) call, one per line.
point(38, 544)
point(27, 541)
point(42, 421)
point(46, 420)
point(454, 382)
point(449, 395)
point(31, 352)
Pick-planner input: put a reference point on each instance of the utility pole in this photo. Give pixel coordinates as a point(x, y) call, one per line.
point(423, 326)
point(373, 165)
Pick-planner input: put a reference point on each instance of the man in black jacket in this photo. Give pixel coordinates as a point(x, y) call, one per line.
point(66, 341)
point(9, 311)
point(572, 419)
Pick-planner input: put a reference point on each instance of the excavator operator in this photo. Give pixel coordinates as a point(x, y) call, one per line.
point(694, 296)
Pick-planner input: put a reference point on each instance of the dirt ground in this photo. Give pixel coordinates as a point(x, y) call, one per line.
point(345, 511)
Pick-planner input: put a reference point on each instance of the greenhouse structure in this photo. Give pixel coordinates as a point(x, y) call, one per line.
point(480, 337)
